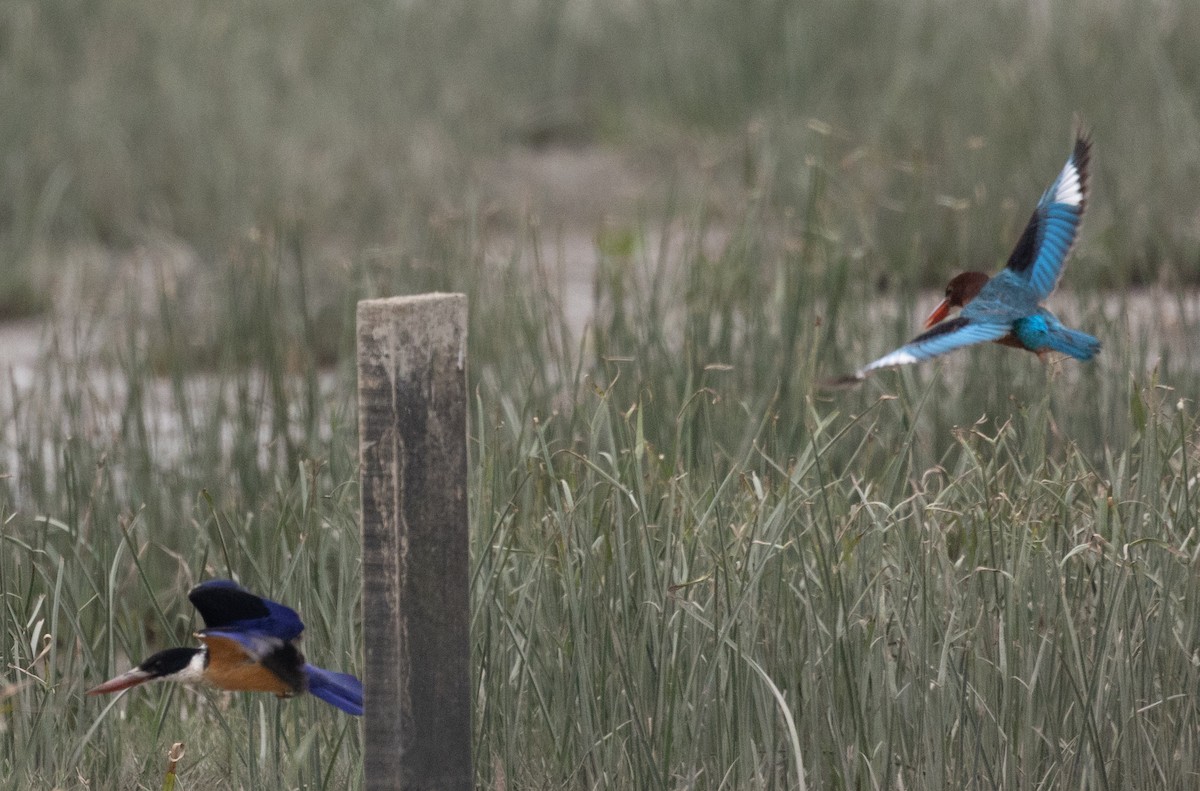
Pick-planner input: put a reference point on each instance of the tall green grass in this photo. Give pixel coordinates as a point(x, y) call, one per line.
point(1005, 619)
point(690, 566)
point(129, 477)
point(706, 573)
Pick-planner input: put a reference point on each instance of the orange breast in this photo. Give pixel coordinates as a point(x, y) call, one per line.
point(230, 668)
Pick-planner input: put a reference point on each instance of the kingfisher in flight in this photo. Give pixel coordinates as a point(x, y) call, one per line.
point(1007, 308)
point(249, 646)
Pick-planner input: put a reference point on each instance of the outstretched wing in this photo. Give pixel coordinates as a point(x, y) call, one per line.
point(945, 337)
point(1048, 238)
point(225, 605)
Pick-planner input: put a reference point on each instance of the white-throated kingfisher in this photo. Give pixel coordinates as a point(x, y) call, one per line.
point(1007, 308)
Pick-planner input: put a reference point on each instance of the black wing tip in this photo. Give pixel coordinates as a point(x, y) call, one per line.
point(221, 602)
point(1083, 135)
point(1082, 157)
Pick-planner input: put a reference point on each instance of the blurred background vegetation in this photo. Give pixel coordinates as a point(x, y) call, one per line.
point(351, 123)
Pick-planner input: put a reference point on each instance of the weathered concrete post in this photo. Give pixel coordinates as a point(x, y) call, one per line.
point(412, 424)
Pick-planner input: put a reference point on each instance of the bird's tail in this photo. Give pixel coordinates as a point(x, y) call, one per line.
point(338, 689)
point(1078, 344)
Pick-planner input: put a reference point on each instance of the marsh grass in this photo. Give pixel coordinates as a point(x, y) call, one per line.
point(690, 568)
point(994, 616)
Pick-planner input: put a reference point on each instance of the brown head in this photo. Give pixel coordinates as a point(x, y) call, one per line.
point(959, 291)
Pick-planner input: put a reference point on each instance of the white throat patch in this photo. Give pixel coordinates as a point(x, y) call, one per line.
point(193, 672)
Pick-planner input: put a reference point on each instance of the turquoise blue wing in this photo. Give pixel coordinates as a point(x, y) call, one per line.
point(1043, 248)
point(945, 337)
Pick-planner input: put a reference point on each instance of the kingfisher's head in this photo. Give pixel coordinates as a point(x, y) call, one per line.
point(185, 665)
point(959, 291)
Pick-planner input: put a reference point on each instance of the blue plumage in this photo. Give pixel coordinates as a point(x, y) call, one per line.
point(1040, 255)
point(225, 604)
point(249, 646)
point(338, 689)
point(265, 630)
point(1007, 308)
point(945, 337)
point(1044, 332)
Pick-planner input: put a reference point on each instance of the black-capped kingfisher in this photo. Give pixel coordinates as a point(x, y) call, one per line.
point(249, 646)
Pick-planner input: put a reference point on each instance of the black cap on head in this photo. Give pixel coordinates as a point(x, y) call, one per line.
point(164, 663)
